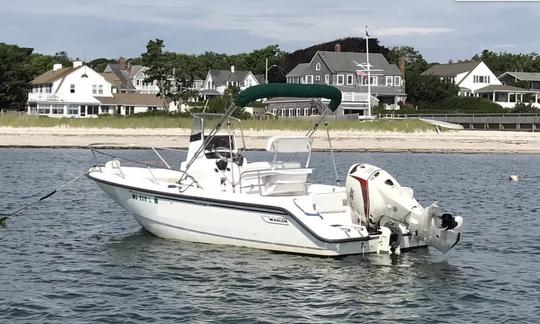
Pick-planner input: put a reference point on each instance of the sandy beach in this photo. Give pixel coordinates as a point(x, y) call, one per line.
point(445, 142)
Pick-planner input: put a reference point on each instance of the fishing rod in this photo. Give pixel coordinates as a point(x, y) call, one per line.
point(5, 217)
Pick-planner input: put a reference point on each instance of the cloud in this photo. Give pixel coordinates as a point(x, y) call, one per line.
point(411, 31)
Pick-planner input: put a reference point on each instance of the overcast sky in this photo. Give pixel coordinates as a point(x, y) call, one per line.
point(440, 29)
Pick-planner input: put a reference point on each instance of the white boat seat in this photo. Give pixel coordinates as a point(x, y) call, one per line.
point(253, 166)
point(289, 144)
point(275, 178)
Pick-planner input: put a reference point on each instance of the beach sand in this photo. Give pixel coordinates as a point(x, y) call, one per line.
point(431, 142)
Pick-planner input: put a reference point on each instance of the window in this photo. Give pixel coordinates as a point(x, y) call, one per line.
point(481, 79)
point(73, 110)
point(314, 111)
point(364, 80)
point(100, 89)
point(350, 79)
point(94, 89)
point(327, 79)
point(274, 112)
point(340, 79)
point(374, 80)
point(298, 112)
point(138, 82)
point(306, 111)
point(389, 81)
point(57, 110)
point(397, 81)
point(72, 88)
point(46, 110)
point(291, 112)
point(309, 79)
point(317, 78)
point(318, 67)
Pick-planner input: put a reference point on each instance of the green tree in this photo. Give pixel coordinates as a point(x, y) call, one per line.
point(428, 88)
point(15, 75)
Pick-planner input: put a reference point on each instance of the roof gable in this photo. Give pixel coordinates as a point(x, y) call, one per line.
point(51, 75)
point(523, 76)
point(221, 77)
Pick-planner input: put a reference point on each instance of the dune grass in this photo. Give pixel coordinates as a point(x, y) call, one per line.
point(405, 126)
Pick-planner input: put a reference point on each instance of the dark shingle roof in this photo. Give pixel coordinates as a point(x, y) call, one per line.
point(347, 62)
point(300, 69)
point(221, 77)
point(452, 69)
point(524, 76)
point(375, 90)
point(51, 76)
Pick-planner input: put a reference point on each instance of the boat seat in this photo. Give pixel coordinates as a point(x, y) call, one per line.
point(275, 178)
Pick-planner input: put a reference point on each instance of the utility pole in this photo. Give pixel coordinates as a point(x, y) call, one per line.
point(368, 74)
point(266, 71)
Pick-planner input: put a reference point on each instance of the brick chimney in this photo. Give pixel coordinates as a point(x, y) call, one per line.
point(337, 48)
point(122, 63)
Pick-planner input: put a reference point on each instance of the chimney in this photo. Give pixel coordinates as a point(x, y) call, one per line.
point(122, 63)
point(57, 67)
point(232, 68)
point(337, 48)
point(76, 64)
point(450, 61)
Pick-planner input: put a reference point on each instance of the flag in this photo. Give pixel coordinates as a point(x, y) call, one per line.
point(361, 73)
point(367, 34)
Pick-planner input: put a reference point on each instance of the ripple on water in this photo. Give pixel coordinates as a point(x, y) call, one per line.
point(78, 257)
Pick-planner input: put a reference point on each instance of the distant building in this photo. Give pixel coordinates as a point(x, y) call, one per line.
point(79, 91)
point(342, 70)
point(531, 78)
point(127, 78)
point(475, 79)
point(217, 81)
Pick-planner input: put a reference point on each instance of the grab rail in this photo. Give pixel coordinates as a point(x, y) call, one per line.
point(97, 148)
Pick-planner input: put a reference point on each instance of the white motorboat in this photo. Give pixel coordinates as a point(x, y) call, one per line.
point(219, 197)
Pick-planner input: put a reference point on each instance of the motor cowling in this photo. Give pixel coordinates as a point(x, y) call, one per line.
point(373, 193)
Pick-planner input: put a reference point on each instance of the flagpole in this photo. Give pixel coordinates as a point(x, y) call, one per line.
point(368, 74)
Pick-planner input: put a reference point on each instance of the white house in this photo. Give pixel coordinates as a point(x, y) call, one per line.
point(217, 81)
point(475, 79)
point(79, 91)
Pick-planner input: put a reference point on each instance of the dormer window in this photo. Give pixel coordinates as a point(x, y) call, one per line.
point(318, 67)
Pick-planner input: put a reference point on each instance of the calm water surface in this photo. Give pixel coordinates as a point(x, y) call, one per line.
point(78, 257)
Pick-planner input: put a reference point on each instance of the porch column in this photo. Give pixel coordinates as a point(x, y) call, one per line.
point(536, 97)
point(493, 96)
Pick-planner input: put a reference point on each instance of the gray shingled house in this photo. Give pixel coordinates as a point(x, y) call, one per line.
point(340, 69)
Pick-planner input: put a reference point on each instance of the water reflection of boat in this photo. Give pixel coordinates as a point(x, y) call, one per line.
point(219, 197)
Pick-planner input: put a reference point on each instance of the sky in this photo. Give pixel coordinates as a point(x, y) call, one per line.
point(440, 29)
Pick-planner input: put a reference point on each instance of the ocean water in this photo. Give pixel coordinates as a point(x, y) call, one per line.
point(78, 257)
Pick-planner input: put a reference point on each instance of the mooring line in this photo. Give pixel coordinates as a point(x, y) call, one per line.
point(5, 217)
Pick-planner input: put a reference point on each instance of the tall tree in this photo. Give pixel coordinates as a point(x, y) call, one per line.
point(159, 69)
point(15, 75)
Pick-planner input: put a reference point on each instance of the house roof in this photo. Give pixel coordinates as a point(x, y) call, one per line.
point(298, 70)
point(451, 69)
point(124, 76)
point(210, 92)
point(523, 76)
point(345, 62)
point(131, 99)
point(503, 88)
point(112, 79)
point(221, 77)
point(51, 76)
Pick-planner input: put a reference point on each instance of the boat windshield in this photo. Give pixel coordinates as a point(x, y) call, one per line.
point(203, 123)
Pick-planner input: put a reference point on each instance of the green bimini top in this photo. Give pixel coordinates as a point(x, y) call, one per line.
point(272, 90)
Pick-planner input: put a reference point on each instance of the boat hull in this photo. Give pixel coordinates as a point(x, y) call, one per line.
point(206, 220)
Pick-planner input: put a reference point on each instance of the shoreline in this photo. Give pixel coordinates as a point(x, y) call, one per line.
point(469, 142)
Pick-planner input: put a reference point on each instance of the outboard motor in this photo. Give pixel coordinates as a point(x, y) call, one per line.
point(375, 197)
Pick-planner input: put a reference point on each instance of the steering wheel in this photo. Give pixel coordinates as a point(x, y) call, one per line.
point(234, 158)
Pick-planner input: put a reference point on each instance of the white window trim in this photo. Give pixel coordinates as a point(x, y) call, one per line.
point(374, 80)
point(317, 78)
point(318, 67)
point(309, 79)
point(389, 81)
point(350, 77)
point(342, 79)
point(397, 81)
point(326, 79)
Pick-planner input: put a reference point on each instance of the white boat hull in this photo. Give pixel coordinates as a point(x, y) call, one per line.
point(208, 220)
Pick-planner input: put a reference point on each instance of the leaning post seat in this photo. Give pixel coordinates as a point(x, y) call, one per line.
point(279, 177)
